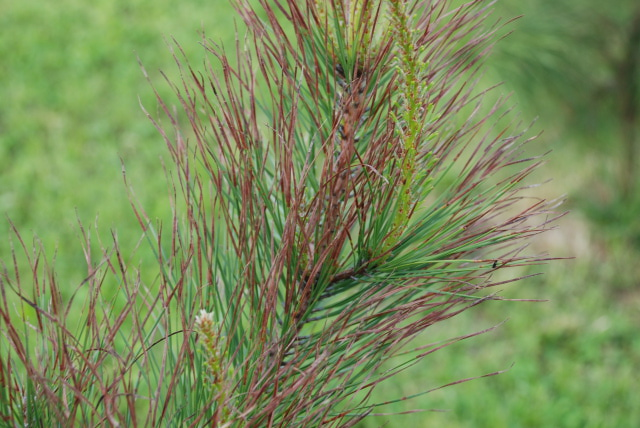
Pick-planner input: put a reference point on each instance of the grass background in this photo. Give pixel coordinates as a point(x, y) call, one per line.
point(70, 116)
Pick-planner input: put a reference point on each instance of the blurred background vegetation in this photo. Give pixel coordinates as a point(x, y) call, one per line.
point(70, 118)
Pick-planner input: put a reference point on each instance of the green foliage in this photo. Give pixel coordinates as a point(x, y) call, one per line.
point(321, 247)
point(569, 361)
point(577, 64)
point(70, 113)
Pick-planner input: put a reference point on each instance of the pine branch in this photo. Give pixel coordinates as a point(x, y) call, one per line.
point(344, 187)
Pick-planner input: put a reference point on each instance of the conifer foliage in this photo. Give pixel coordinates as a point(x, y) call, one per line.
point(343, 188)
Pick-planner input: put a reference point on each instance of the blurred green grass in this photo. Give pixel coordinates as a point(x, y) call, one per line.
point(71, 114)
